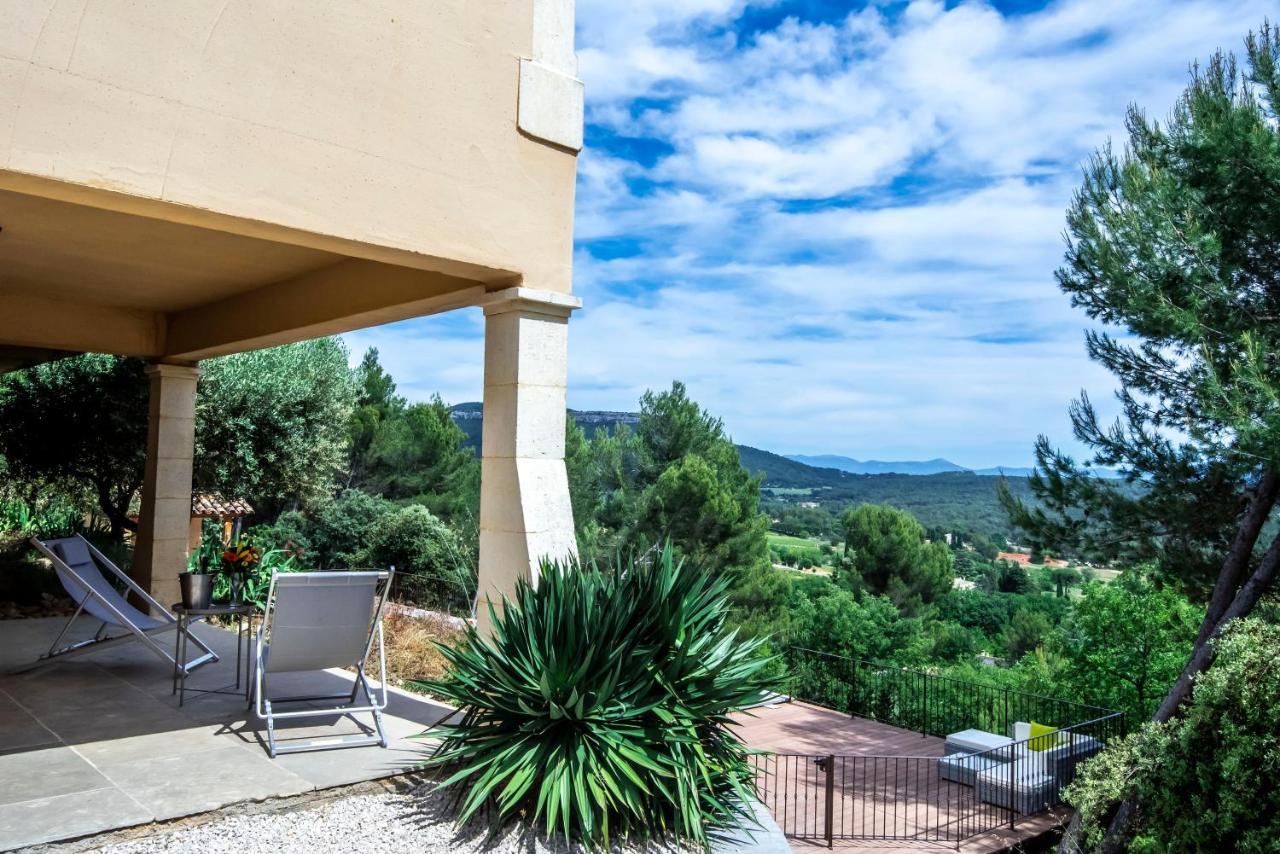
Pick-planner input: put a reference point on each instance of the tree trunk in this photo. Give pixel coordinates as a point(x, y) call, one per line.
point(118, 516)
point(1255, 516)
point(1120, 829)
point(1240, 606)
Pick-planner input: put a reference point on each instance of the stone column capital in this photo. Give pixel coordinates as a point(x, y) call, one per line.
point(530, 301)
point(164, 370)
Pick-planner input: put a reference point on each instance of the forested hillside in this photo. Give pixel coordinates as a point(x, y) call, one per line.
point(951, 500)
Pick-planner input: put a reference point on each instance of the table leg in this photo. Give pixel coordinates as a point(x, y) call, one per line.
point(177, 654)
point(248, 667)
point(182, 687)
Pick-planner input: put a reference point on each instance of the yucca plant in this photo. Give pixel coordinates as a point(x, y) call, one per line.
point(600, 705)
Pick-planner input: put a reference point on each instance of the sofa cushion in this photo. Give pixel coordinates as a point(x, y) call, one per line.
point(1042, 737)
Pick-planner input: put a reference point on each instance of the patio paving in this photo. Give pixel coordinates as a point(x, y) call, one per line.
point(99, 742)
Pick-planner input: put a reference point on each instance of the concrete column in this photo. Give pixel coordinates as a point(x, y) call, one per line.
point(525, 514)
point(164, 523)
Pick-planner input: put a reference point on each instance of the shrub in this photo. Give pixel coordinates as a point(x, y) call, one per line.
point(1206, 780)
point(431, 565)
point(290, 532)
point(339, 530)
point(600, 704)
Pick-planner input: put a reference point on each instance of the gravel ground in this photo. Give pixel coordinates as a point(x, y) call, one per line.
point(383, 823)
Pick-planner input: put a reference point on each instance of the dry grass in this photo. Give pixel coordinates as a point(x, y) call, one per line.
point(411, 650)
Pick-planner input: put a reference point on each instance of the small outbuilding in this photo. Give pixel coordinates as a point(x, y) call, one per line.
point(211, 505)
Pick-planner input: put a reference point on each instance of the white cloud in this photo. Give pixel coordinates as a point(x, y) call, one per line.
point(842, 234)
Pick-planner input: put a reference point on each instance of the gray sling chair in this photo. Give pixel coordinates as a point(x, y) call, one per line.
point(317, 621)
point(96, 595)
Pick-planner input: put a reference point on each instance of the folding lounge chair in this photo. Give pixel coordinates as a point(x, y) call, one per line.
point(94, 594)
point(317, 621)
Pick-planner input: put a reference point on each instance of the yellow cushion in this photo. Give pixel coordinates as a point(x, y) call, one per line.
point(1042, 737)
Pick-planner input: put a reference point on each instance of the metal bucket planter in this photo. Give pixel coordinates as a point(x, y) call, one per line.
point(197, 589)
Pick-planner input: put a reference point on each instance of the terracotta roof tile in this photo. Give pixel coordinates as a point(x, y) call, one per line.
point(213, 506)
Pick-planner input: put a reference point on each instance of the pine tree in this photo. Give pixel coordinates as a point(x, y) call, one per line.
point(1176, 241)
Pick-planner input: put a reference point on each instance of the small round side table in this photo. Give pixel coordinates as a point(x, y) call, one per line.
point(243, 613)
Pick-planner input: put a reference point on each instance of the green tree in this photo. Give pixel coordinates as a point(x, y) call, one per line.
point(336, 531)
point(887, 549)
point(677, 477)
point(1025, 632)
point(832, 620)
point(418, 453)
point(1064, 577)
point(584, 492)
point(376, 402)
point(80, 425)
point(271, 425)
point(1175, 239)
point(1126, 642)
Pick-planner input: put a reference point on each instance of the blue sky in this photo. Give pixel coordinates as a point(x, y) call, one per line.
point(838, 223)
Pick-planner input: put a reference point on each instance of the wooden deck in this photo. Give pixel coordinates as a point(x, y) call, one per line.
point(885, 784)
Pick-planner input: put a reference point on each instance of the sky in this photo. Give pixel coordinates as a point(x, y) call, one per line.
point(838, 223)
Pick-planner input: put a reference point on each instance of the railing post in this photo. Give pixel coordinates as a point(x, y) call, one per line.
point(853, 694)
point(924, 700)
point(829, 821)
point(1013, 792)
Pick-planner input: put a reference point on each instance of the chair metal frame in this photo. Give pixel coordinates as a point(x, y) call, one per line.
point(264, 707)
point(122, 620)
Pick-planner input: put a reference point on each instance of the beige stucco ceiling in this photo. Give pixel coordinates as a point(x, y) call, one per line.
point(60, 250)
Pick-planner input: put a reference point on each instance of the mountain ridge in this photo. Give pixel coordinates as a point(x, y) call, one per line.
point(469, 416)
point(938, 465)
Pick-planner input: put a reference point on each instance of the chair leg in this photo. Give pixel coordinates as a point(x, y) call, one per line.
point(271, 730)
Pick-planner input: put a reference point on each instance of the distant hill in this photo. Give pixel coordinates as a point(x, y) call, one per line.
point(831, 461)
point(916, 467)
point(470, 417)
point(952, 497)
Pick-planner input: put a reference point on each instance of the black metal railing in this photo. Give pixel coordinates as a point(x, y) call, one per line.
point(926, 798)
point(927, 703)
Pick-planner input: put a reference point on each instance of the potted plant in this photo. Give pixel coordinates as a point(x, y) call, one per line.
point(237, 560)
point(197, 582)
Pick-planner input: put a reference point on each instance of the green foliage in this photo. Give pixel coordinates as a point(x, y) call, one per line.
point(599, 707)
point(952, 642)
point(806, 522)
point(432, 567)
point(417, 453)
point(207, 558)
point(580, 469)
point(1206, 779)
point(989, 613)
point(256, 582)
point(831, 619)
point(49, 515)
point(272, 424)
point(1026, 631)
point(886, 547)
point(676, 479)
point(1174, 241)
point(376, 402)
point(290, 532)
point(338, 530)
point(78, 426)
point(1127, 641)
